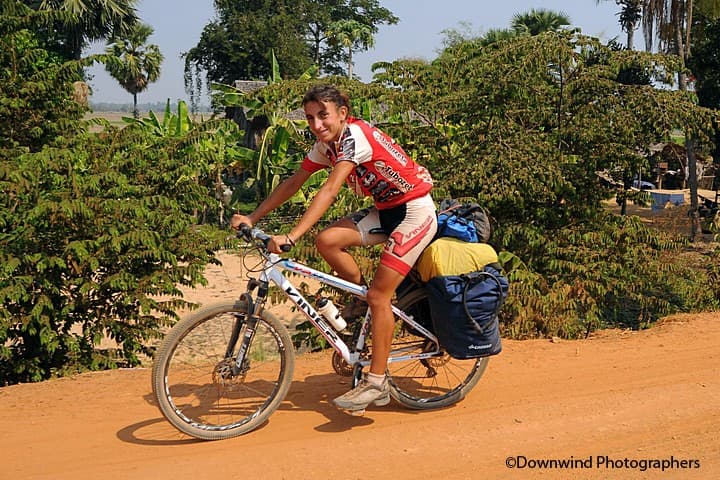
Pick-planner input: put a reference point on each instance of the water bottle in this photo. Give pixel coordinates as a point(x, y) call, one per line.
point(327, 309)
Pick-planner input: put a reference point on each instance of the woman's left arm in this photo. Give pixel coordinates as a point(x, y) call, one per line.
point(324, 198)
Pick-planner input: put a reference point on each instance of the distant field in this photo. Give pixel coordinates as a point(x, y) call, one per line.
point(115, 118)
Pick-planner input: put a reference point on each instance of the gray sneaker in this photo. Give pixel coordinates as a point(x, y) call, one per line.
point(363, 395)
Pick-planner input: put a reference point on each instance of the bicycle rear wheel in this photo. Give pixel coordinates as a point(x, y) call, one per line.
point(433, 382)
point(194, 383)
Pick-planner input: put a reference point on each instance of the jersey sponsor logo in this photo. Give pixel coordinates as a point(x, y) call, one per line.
point(390, 147)
point(369, 179)
point(379, 188)
point(394, 176)
point(347, 149)
point(388, 195)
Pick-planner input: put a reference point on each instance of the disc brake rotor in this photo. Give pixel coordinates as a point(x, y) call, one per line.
point(223, 373)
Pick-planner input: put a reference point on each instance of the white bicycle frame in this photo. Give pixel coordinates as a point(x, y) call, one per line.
point(273, 272)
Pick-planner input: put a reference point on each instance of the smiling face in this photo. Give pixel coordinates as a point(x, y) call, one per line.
point(326, 120)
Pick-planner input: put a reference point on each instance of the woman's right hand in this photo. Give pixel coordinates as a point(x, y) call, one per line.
point(236, 220)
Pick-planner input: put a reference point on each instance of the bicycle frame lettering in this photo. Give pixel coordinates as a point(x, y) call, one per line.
point(272, 272)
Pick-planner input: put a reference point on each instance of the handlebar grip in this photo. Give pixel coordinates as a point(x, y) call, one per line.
point(244, 230)
point(250, 233)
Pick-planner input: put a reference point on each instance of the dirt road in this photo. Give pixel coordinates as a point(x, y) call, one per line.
point(618, 405)
point(621, 398)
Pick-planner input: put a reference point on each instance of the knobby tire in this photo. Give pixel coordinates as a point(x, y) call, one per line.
point(191, 380)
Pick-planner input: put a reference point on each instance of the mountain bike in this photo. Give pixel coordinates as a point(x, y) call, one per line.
point(223, 370)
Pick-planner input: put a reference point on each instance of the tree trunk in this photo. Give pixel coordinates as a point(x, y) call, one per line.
point(350, 62)
point(136, 114)
point(693, 184)
point(688, 27)
point(683, 45)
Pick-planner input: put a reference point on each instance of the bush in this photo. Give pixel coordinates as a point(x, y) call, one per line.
point(615, 272)
point(95, 238)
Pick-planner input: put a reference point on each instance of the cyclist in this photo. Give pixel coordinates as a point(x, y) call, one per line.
point(403, 217)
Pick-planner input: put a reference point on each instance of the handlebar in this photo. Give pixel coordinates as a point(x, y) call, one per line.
point(249, 234)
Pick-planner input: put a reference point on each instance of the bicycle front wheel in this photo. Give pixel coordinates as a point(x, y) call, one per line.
point(434, 382)
point(200, 390)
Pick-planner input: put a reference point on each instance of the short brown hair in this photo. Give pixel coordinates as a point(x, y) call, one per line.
point(327, 93)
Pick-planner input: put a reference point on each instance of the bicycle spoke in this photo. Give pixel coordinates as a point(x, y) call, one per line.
point(199, 391)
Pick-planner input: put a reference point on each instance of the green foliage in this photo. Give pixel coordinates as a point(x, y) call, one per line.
point(524, 125)
point(235, 45)
point(96, 236)
point(274, 157)
point(590, 276)
point(353, 36)
point(99, 231)
point(75, 24)
point(36, 87)
point(210, 145)
point(705, 63)
point(537, 21)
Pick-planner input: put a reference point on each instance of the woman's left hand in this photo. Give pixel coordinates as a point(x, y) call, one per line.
point(277, 242)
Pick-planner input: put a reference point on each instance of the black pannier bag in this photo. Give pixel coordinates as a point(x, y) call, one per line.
point(464, 310)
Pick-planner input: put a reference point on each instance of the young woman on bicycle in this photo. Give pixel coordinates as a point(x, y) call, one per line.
point(403, 217)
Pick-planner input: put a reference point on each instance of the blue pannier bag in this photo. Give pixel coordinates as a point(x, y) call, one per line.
point(464, 310)
point(450, 225)
point(468, 221)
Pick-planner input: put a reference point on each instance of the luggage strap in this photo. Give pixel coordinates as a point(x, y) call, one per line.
point(476, 277)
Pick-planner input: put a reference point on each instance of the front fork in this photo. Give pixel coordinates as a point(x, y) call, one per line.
point(250, 321)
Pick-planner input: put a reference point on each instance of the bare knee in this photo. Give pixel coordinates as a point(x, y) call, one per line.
point(324, 241)
point(377, 298)
point(336, 238)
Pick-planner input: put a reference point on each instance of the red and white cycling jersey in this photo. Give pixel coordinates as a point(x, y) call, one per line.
point(382, 169)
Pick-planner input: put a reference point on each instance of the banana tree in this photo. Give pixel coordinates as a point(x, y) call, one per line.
point(275, 156)
point(171, 124)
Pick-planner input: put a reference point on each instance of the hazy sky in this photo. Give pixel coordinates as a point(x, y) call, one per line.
point(417, 35)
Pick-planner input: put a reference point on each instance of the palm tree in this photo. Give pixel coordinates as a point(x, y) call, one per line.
point(89, 20)
point(494, 35)
point(351, 34)
point(630, 15)
point(538, 21)
point(136, 64)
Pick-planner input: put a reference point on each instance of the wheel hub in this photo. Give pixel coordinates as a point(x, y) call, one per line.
point(223, 373)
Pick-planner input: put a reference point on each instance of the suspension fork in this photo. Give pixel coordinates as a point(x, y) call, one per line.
point(250, 321)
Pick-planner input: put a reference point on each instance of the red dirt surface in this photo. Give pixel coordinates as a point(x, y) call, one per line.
point(639, 401)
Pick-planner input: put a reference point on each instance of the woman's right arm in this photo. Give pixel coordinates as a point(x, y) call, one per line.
point(277, 197)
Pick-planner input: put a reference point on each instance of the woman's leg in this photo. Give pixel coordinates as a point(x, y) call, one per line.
point(358, 229)
point(407, 240)
point(379, 299)
point(332, 244)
